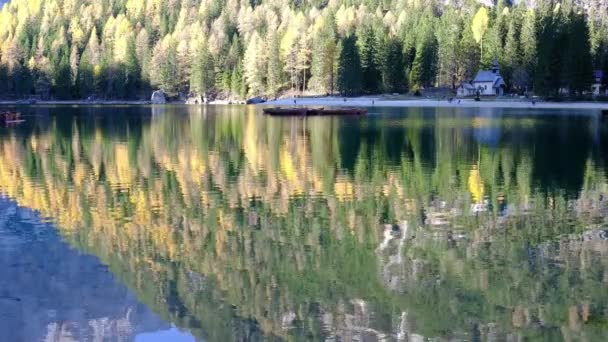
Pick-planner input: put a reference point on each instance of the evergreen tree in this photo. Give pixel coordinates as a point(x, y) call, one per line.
point(528, 45)
point(393, 70)
point(511, 57)
point(369, 65)
point(62, 75)
point(449, 33)
point(23, 81)
point(132, 69)
point(202, 77)
point(4, 79)
point(550, 45)
point(578, 63)
point(349, 71)
point(85, 82)
point(423, 70)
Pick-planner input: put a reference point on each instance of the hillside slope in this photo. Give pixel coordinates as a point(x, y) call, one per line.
point(125, 48)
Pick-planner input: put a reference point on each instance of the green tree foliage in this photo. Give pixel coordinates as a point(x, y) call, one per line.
point(370, 66)
point(393, 67)
point(126, 48)
point(202, 76)
point(424, 66)
point(274, 72)
point(323, 59)
point(132, 69)
point(578, 67)
point(349, 81)
point(62, 74)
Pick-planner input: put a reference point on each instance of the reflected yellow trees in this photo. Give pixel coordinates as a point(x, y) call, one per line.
point(417, 235)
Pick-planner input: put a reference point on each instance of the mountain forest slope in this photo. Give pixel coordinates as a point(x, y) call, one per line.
point(124, 48)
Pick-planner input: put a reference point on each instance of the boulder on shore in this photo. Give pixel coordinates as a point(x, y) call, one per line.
point(158, 97)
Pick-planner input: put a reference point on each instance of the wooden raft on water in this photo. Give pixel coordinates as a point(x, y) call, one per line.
point(10, 118)
point(303, 111)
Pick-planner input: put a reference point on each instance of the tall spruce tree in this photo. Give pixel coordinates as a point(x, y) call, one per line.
point(349, 80)
point(132, 70)
point(202, 77)
point(393, 67)
point(62, 74)
point(528, 46)
point(369, 63)
point(423, 70)
point(578, 63)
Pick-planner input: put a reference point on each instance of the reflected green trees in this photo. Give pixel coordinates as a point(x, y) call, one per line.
point(238, 226)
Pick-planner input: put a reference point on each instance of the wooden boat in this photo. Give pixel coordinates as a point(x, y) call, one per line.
point(303, 111)
point(286, 111)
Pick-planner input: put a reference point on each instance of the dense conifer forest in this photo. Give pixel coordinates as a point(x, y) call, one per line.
point(106, 49)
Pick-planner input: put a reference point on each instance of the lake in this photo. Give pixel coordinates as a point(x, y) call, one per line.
point(181, 223)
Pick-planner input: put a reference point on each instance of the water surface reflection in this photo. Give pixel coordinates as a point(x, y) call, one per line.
point(51, 292)
point(446, 223)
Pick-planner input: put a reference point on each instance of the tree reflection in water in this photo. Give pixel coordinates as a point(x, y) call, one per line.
point(415, 223)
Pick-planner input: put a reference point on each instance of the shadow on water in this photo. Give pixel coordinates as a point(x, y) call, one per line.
point(51, 292)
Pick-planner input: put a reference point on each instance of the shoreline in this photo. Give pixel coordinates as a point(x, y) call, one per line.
point(75, 102)
point(429, 103)
point(368, 101)
point(104, 103)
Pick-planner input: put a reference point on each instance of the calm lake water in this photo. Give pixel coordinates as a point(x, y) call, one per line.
point(220, 224)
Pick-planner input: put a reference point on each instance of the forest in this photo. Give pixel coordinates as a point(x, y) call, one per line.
point(110, 49)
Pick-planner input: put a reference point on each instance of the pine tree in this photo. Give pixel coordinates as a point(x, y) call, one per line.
point(202, 77)
point(132, 69)
point(369, 65)
point(349, 80)
point(85, 82)
point(449, 33)
point(492, 46)
point(578, 63)
point(528, 45)
point(393, 70)
point(423, 70)
point(62, 75)
point(4, 79)
point(511, 58)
